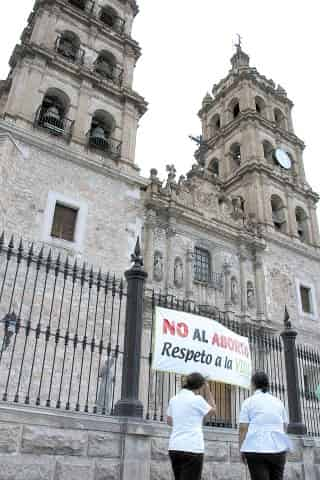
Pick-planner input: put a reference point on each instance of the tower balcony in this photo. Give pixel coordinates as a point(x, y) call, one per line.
point(99, 141)
point(114, 22)
point(50, 120)
point(67, 49)
point(84, 5)
point(109, 72)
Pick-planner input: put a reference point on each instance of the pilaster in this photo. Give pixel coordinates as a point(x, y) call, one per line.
point(189, 274)
point(150, 225)
point(170, 237)
point(260, 285)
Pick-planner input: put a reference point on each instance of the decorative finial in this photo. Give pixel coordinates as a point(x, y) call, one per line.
point(136, 257)
point(239, 44)
point(287, 322)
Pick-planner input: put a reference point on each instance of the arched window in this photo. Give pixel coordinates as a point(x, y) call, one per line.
point(110, 17)
point(260, 105)
point(201, 265)
point(68, 45)
point(105, 65)
point(214, 166)
point(279, 118)
point(278, 214)
point(51, 114)
point(234, 109)
point(302, 224)
point(268, 150)
point(102, 126)
point(215, 124)
point(235, 152)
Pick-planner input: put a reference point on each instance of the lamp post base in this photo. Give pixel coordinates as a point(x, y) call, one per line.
point(129, 408)
point(297, 429)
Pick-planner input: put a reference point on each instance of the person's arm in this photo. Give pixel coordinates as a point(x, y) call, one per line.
point(243, 430)
point(169, 415)
point(206, 393)
point(244, 421)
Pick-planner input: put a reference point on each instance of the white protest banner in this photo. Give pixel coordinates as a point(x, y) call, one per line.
point(186, 343)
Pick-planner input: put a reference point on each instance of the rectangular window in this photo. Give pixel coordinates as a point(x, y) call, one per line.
point(201, 265)
point(64, 222)
point(306, 300)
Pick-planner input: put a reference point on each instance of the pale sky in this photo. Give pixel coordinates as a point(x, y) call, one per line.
point(186, 48)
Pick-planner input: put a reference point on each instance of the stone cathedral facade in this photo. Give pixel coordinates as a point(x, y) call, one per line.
point(238, 232)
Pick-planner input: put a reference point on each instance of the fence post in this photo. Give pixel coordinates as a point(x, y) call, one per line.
point(289, 335)
point(130, 405)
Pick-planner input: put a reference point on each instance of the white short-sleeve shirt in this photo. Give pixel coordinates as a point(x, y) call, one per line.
point(187, 411)
point(266, 416)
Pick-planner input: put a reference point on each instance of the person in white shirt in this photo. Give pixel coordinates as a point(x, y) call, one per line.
point(185, 414)
point(262, 439)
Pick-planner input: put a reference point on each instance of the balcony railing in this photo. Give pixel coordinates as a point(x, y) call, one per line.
point(109, 72)
point(69, 51)
point(116, 23)
point(58, 127)
point(84, 5)
point(108, 146)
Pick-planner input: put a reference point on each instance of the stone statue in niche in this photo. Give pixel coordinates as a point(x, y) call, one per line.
point(234, 291)
point(178, 272)
point(251, 302)
point(237, 208)
point(158, 266)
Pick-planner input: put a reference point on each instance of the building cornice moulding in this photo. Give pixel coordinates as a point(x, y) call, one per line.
point(12, 132)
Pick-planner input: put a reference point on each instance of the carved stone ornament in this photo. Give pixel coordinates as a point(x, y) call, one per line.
point(158, 266)
point(251, 301)
point(178, 272)
point(234, 291)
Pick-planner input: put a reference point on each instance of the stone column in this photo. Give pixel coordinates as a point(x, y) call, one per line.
point(292, 225)
point(150, 225)
point(170, 235)
point(300, 164)
point(227, 285)
point(243, 285)
point(260, 286)
point(42, 26)
point(189, 274)
point(314, 223)
point(83, 119)
point(130, 119)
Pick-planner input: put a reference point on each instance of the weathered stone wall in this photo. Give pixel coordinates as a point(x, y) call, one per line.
point(38, 444)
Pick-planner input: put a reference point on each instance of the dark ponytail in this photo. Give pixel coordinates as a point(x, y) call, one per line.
point(260, 381)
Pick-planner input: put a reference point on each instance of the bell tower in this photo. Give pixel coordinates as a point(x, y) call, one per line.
point(71, 79)
point(68, 123)
point(253, 149)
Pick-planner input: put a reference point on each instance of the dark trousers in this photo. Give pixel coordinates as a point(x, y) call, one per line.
point(186, 465)
point(266, 466)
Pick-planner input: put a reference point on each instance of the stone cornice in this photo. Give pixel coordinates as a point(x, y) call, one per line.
point(253, 116)
point(91, 20)
point(308, 251)
point(83, 73)
point(251, 75)
point(10, 130)
point(191, 216)
point(261, 168)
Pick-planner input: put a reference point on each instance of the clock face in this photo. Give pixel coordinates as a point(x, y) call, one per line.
point(282, 158)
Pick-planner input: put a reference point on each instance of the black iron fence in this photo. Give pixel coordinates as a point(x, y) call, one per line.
point(77, 339)
point(309, 381)
point(61, 331)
